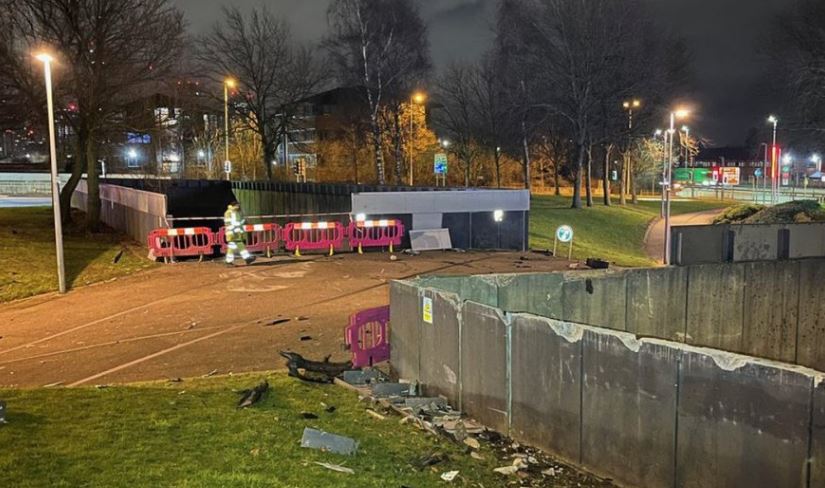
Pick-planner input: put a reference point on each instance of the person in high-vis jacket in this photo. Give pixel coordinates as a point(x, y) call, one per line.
point(233, 222)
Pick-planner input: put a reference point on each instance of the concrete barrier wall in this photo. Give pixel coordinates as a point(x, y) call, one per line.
point(133, 212)
point(774, 310)
point(644, 412)
point(704, 244)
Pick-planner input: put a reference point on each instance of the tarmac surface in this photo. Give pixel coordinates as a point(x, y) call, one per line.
point(655, 237)
point(192, 319)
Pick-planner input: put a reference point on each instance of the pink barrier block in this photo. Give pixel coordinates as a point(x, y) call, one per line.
point(367, 336)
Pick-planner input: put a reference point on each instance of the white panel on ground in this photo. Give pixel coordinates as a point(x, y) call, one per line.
point(426, 221)
point(430, 240)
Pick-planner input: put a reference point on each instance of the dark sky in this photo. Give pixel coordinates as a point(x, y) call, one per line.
point(724, 35)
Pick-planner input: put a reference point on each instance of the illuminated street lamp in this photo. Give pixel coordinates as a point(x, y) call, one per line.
point(774, 167)
point(58, 225)
point(817, 160)
point(417, 98)
point(227, 84)
point(666, 191)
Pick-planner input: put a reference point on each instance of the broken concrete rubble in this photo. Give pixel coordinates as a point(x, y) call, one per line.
point(324, 441)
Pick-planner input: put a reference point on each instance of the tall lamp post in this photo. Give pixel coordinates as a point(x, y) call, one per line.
point(58, 225)
point(774, 163)
point(680, 113)
point(629, 106)
point(417, 98)
point(227, 84)
point(686, 144)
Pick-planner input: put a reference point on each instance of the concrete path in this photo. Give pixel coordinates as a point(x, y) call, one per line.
point(655, 237)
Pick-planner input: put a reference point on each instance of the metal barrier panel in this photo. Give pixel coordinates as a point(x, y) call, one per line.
point(260, 238)
point(367, 336)
point(376, 233)
point(171, 243)
point(313, 236)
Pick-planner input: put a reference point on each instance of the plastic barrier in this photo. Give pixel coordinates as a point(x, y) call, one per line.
point(375, 233)
point(172, 243)
point(367, 336)
point(313, 236)
point(260, 238)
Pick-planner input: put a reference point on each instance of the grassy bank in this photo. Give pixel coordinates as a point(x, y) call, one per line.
point(27, 254)
point(614, 233)
point(190, 434)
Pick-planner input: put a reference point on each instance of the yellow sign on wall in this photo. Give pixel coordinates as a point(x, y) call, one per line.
point(427, 310)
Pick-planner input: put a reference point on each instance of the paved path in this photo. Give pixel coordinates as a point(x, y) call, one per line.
point(655, 237)
point(191, 318)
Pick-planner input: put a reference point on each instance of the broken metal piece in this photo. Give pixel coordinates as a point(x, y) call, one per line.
point(336, 467)
point(314, 371)
point(385, 390)
point(449, 475)
point(363, 377)
point(250, 397)
point(324, 441)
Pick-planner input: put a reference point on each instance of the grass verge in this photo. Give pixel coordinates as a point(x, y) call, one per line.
point(613, 233)
point(190, 434)
point(27, 254)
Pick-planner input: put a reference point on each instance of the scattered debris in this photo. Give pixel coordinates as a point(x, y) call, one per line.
point(301, 318)
point(117, 257)
point(375, 414)
point(363, 377)
point(253, 396)
point(316, 439)
point(472, 442)
point(314, 371)
point(506, 470)
point(595, 263)
point(393, 257)
point(330, 409)
point(278, 322)
point(3, 413)
point(549, 472)
point(449, 475)
point(211, 373)
point(430, 460)
point(101, 387)
point(175, 380)
point(384, 390)
point(336, 467)
point(309, 415)
point(306, 338)
point(477, 456)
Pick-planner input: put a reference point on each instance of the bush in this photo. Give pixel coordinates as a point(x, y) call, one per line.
point(789, 213)
point(738, 213)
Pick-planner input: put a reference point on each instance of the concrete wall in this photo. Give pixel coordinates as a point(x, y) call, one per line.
point(704, 244)
point(774, 310)
point(644, 412)
point(28, 184)
point(127, 210)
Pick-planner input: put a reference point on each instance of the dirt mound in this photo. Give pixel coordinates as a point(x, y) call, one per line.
point(787, 213)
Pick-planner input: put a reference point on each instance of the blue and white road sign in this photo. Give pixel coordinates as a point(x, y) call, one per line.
point(564, 233)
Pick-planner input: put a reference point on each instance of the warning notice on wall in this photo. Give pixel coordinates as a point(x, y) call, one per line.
point(427, 310)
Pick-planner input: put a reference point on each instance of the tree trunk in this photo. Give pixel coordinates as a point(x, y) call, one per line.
point(623, 171)
point(556, 178)
point(497, 160)
point(376, 147)
point(634, 191)
point(269, 155)
point(577, 177)
point(587, 177)
point(525, 150)
point(606, 176)
point(93, 187)
point(77, 174)
point(355, 165)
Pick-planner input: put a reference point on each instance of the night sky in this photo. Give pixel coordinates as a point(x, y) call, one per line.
point(725, 35)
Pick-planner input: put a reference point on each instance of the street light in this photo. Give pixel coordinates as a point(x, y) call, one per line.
point(774, 173)
point(817, 160)
point(676, 114)
point(417, 98)
point(686, 130)
point(227, 84)
point(58, 225)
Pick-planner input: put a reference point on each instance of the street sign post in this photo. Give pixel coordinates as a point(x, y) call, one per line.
point(440, 167)
point(227, 168)
point(564, 234)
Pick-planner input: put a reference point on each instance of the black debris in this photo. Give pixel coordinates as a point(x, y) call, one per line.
point(309, 415)
point(314, 371)
point(306, 338)
point(279, 321)
point(253, 396)
point(117, 257)
point(596, 263)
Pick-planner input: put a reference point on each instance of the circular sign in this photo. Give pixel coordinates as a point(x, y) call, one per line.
point(757, 173)
point(564, 233)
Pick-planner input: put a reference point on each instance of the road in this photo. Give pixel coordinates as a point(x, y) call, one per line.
point(655, 237)
point(7, 202)
point(192, 318)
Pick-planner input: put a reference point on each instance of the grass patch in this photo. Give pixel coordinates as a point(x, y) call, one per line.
point(614, 233)
point(190, 434)
point(28, 258)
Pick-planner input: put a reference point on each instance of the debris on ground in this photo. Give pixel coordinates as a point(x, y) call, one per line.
point(306, 338)
point(175, 380)
point(253, 396)
point(301, 318)
point(336, 467)
point(278, 322)
point(363, 377)
point(324, 441)
point(3, 412)
point(449, 475)
point(430, 460)
point(329, 409)
point(596, 263)
point(375, 415)
point(314, 371)
point(309, 416)
point(117, 257)
point(211, 373)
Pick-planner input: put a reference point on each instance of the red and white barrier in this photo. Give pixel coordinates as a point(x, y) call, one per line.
point(313, 236)
point(260, 238)
point(172, 243)
point(367, 336)
point(376, 233)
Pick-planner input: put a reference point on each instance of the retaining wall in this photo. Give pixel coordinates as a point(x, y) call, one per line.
point(133, 212)
point(642, 411)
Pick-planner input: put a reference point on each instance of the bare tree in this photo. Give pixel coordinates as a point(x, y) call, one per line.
point(106, 52)
point(271, 69)
point(380, 46)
